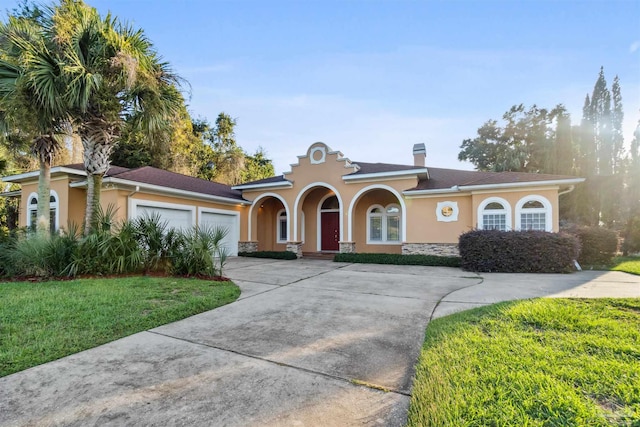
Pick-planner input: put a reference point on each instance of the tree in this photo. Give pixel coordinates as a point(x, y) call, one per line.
point(31, 98)
point(522, 145)
point(257, 166)
point(111, 73)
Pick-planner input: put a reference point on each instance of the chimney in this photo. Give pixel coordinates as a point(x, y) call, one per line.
point(419, 154)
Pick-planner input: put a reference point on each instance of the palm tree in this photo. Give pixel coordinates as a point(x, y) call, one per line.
point(113, 74)
point(31, 98)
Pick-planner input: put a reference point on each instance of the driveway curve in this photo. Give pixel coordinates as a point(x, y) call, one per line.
point(307, 343)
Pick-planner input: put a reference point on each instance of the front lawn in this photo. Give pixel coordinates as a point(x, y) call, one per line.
point(627, 264)
point(543, 362)
point(40, 322)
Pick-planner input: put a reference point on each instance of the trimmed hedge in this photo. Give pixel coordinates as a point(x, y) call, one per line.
point(517, 251)
point(399, 259)
point(598, 245)
point(269, 254)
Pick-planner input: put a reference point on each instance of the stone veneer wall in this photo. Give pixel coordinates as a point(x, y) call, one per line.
point(295, 247)
point(347, 247)
point(247, 246)
point(441, 249)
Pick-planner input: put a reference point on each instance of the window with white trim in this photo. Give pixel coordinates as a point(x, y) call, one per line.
point(32, 211)
point(494, 213)
point(383, 224)
point(533, 213)
point(281, 226)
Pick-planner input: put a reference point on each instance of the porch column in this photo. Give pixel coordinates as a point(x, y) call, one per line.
point(347, 247)
point(248, 246)
point(295, 247)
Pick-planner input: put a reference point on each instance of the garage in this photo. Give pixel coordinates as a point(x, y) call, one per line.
point(176, 217)
point(229, 221)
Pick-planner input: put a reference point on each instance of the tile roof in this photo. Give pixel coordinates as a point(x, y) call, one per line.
point(446, 178)
point(113, 170)
point(160, 177)
point(366, 168)
point(279, 178)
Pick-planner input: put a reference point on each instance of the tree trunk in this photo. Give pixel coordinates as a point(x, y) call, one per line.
point(44, 194)
point(88, 215)
point(97, 144)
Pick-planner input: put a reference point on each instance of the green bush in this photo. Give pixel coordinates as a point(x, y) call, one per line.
point(631, 243)
point(399, 259)
point(269, 254)
point(598, 245)
point(199, 252)
point(517, 251)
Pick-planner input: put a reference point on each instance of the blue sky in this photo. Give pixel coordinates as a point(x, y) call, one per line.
point(372, 78)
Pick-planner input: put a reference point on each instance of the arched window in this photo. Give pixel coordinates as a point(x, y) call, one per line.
point(281, 225)
point(384, 224)
point(494, 213)
point(533, 213)
point(32, 211)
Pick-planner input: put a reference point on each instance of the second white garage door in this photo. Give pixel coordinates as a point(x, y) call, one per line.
point(229, 222)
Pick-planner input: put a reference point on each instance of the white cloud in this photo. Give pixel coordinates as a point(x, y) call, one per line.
point(634, 46)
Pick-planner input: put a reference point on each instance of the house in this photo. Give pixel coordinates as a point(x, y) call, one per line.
point(326, 203)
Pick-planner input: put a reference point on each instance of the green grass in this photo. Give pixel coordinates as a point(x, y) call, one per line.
point(544, 362)
point(627, 264)
point(40, 322)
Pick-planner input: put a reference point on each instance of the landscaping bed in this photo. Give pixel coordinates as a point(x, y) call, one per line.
point(44, 321)
point(399, 259)
point(535, 362)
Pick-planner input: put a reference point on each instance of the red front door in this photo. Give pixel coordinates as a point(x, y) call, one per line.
point(330, 231)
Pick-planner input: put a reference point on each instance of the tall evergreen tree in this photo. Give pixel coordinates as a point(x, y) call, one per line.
point(562, 155)
point(617, 117)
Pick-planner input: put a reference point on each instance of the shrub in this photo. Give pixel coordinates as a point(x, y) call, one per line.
point(154, 241)
point(399, 259)
point(199, 252)
point(631, 243)
point(517, 251)
point(269, 254)
point(597, 245)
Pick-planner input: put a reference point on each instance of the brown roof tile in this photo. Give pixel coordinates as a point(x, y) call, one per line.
point(160, 177)
point(446, 178)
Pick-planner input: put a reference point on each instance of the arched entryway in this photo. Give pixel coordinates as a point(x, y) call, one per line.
point(319, 213)
point(329, 223)
point(270, 223)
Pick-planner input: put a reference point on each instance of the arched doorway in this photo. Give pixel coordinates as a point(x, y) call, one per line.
point(329, 223)
point(270, 223)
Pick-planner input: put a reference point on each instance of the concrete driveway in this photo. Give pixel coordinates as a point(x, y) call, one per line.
point(308, 343)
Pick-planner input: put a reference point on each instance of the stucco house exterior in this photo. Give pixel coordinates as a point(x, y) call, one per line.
point(326, 203)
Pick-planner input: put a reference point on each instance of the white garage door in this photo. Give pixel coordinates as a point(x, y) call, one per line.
point(229, 222)
point(175, 218)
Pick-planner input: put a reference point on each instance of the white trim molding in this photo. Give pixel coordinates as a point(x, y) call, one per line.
point(158, 189)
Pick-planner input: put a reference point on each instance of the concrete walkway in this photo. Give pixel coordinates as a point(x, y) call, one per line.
point(308, 343)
